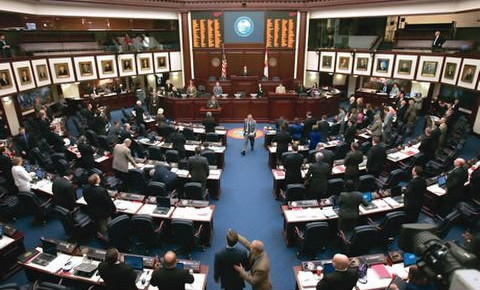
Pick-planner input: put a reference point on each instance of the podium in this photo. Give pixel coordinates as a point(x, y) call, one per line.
point(215, 112)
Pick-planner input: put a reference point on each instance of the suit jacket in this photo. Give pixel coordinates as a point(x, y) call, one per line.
point(401, 114)
point(352, 160)
point(223, 268)
point(307, 125)
point(87, 152)
point(64, 193)
point(213, 104)
point(411, 116)
point(413, 197)
point(328, 157)
point(121, 157)
point(376, 157)
point(217, 90)
point(427, 147)
point(376, 129)
point(282, 139)
point(6, 167)
point(455, 183)
point(259, 276)
point(23, 145)
point(117, 276)
point(323, 127)
point(99, 203)
point(210, 124)
point(387, 122)
point(198, 168)
point(349, 202)
point(249, 129)
point(349, 135)
point(438, 42)
point(339, 280)
point(293, 164)
point(178, 143)
point(316, 180)
point(475, 183)
point(171, 279)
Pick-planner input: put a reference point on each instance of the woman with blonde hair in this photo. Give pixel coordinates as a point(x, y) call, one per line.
point(20, 176)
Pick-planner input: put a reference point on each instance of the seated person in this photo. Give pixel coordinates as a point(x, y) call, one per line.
point(417, 280)
point(280, 89)
point(217, 89)
point(341, 278)
point(115, 273)
point(213, 103)
point(191, 89)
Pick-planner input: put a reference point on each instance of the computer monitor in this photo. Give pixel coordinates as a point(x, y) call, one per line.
point(328, 268)
point(396, 191)
point(135, 262)
point(49, 247)
point(39, 173)
point(367, 196)
point(180, 266)
point(163, 201)
point(441, 180)
point(409, 259)
point(1, 231)
point(28, 167)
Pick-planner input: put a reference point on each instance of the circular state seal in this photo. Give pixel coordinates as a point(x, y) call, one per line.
point(244, 26)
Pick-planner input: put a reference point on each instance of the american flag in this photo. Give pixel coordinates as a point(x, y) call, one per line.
point(224, 63)
point(265, 64)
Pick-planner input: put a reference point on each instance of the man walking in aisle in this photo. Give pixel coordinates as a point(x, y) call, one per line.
point(249, 133)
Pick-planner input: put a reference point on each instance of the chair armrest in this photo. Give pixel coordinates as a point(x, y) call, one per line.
point(200, 228)
point(299, 233)
point(160, 227)
point(282, 194)
point(344, 239)
point(172, 194)
point(47, 202)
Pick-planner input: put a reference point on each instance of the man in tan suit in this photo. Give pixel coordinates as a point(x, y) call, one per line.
point(121, 157)
point(259, 275)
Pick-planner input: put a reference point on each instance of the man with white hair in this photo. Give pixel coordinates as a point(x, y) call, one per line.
point(121, 157)
point(341, 278)
point(259, 275)
point(139, 111)
point(316, 178)
point(387, 123)
point(455, 184)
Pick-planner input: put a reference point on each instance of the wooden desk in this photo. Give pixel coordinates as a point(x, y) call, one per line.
point(247, 84)
point(374, 98)
point(11, 247)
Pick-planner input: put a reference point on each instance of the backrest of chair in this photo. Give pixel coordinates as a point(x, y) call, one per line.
point(392, 223)
point(365, 147)
point(155, 188)
point(92, 138)
point(188, 133)
point(119, 232)
point(212, 137)
point(211, 157)
point(172, 156)
point(316, 235)
point(341, 151)
point(295, 191)
point(103, 142)
point(155, 153)
point(395, 177)
point(65, 218)
point(335, 186)
point(61, 165)
point(184, 232)
point(367, 183)
point(311, 156)
point(335, 129)
point(136, 180)
point(362, 237)
point(141, 227)
point(29, 200)
point(193, 190)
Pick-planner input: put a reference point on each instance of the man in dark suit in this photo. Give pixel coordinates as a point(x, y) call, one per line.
point(139, 111)
point(23, 143)
point(209, 123)
point(198, 167)
point(283, 139)
point(376, 157)
point(349, 202)
point(323, 127)
point(316, 178)
point(100, 206)
point(352, 161)
point(475, 183)
point(279, 122)
point(87, 152)
point(328, 155)
point(178, 141)
point(63, 190)
point(455, 185)
point(225, 259)
point(308, 124)
point(350, 132)
point(292, 163)
point(115, 274)
point(343, 278)
point(169, 277)
point(6, 169)
point(438, 41)
point(427, 145)
point(413, 195)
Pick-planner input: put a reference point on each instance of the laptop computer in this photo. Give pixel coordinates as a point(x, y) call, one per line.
point(163, 205)
point(39, 173)
point(409, 259)
point(441, 180)
point(135, 262)
point(367, 196)
point(49, 253)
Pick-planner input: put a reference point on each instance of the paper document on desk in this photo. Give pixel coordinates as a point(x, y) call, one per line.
point(393, 203)
point(329, 212)
point(182, 173)
point(437, 190)
point(307, 279)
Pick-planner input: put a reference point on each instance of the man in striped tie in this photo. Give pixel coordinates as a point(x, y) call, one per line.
point(249, 132)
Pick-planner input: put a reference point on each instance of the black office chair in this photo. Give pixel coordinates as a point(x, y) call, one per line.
point(43, 159)
point(155, 188)
point(393, 179)
point(125, 115)
point(294, 191)
point(119, 232)
point(365, 147)
point(211, 157)
point(335, 186)
point(155, 153)
point(43, 285)
point(193, 190)
point(390, 226)
point(212, 137)
point(172, 156)
point(341, 151)
point(57, 156)
point(417, 159)
point(360, 240)
point(61, 165)
point(367, 183)
point(311, 156)
point(10, 286)
point(144, 232)
point(92, 138)
point(335, 129)
point(32, 203)
point(188, 133)
point(104, 143)
point(186, 236)
point(312, 239)
point(76, 224)
point(137, 181)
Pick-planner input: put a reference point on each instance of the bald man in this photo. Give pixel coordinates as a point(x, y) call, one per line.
point(455, 185)
point(342, 278)
point(139, 111)
point(259, 275)
point(169, 277)
point(121, 157)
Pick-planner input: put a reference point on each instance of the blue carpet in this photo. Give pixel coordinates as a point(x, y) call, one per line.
point(246, 205)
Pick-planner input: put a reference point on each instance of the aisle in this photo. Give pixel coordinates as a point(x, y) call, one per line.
point(248, 207)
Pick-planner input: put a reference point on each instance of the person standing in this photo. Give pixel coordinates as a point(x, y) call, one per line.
point(414, 194)
point(352, 162)
point(121, 157)
point(249, 133)
point(387, 123)
point(349, 201)
point(198, 167)
point(115, 274)
point(139, 111)
point(438, 41)
point(292, 162)
point(225, 259)
point(455, 184)
point(100, 206)
point(283, 139)
point(20, 175)
point(168, 276)
point(209, 123)
point(259, 275)
point(6, 53)
point(342, 277)
point(376, 157)
point(316, 178)
point(64, 193)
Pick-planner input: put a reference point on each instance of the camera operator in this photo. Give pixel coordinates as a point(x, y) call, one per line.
point(472, 240)
point(417, 280)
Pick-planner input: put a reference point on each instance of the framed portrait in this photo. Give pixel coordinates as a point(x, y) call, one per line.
point(383, 65)
point(175, 61)
point(41, 72)
point(312, 60)
point(23, 75)
point(107, 67)
point(344, 62)
point(429, 68)
point(62, 70)
point(451, 70)
point(327, 59)
point(405, 66)
point(26, 100)
point(469, 73)
point(144, 63)
point(363, 64)
point(85, 68)
point(161, 62)
point(126, 64)
point(7, 84)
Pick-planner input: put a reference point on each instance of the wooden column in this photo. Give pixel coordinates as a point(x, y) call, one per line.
point(302, 42)
point(187, 69)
